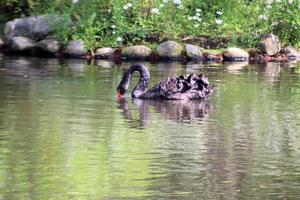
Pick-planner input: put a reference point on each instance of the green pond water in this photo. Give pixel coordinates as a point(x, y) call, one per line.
point(63, 134)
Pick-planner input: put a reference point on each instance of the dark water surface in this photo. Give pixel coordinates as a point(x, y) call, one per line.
point(63, 135)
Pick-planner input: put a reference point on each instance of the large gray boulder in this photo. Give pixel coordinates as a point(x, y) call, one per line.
point(105, 52)
point(21, 44)
point(75, 48)
point(49, 45)
point(235, 54)
point(292, 53)
point(169, 49)
point(37, 27)
point(193, 52)
point(137, 51)
point(269, 44)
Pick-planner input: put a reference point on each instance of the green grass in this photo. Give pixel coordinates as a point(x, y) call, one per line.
point(116, 23)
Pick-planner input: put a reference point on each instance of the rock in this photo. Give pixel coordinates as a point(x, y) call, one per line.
point(105, 52)
point(49, 45)
point(235, 54)
point(209, 57)
point(74, 48)
point(21, 43)
point(269, 44)
point(193, 52)
point(169, 50)
point(292, 53)
point(137, 51)
point(37, 27)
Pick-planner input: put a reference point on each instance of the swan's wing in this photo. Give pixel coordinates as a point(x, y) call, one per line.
point(165, 88)
point(178, 87)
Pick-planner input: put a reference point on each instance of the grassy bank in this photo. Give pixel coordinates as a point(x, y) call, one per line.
point(121, 22)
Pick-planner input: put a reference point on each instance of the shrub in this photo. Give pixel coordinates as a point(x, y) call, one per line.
point(120, 22)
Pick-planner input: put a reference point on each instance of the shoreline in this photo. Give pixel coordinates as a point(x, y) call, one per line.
point(117, 57)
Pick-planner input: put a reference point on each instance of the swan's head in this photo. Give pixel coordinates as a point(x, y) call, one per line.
point(121, 91)
point(123, 85)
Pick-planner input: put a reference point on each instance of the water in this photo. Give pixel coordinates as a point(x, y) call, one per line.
point(63, 135)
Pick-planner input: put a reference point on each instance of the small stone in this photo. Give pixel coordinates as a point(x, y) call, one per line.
point(75, 48)
point(209, 57)
point(235, 54)
point(169, 49)
point(292, 53)
point(49, 45)
point(21, 43)
point(137, 51)
point(193, 52)
point(269, 44)
point(105, 52)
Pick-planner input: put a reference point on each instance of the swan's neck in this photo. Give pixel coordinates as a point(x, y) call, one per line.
point(143, 81)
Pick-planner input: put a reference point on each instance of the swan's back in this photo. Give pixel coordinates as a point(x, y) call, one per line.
point(180, 87)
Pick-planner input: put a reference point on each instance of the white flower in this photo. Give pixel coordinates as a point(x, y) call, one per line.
point(262, 17)
point(74, 1)
point(275, 23)
point(270, 2)
point(290, 2)
point(198, 14)
point(196, 25)
point(162, 5)
point(199, 19)
point(125, 7)
point(218, 21)
point(113, 26)
point(154, 11)
point(114, 32)
point(219, 13)
point(190, 18)
point(180, 6)
point(119, 39)
point(177, 2)
point(195, 17)
point(198, 10)
point(109, 10)
point(269, 6)
point(129, 5)
point(165, 1)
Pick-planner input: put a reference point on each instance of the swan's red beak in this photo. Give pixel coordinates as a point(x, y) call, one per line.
point(119, 95)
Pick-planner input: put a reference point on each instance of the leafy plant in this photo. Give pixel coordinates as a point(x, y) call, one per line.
point(120, 22)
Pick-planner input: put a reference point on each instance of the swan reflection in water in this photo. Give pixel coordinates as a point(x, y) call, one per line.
point(177, 111)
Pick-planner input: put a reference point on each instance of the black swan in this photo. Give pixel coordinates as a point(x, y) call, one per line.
point(184, 87)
